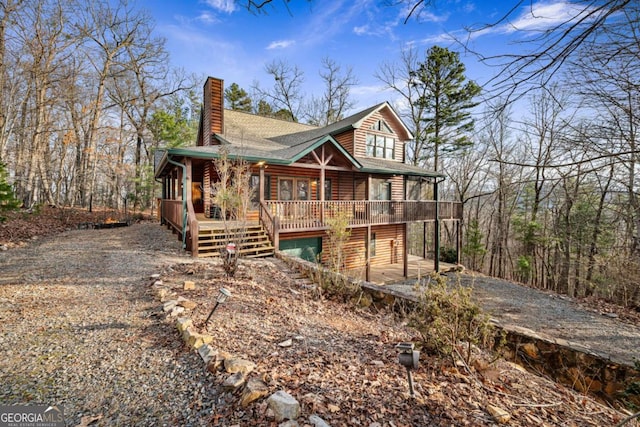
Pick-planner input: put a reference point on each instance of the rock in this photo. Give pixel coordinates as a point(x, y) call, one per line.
point(333, 408)
point(254, 390)
point(192, 338)
point(233, 381)
point(155, 276)
point(183, 323)
point(233, 365)
point(284, 406)
point(531, 350)
point(189, 285)
point(162, 293)
point(365, 301)
point(289, 423)
point(157, 283)
point(286, 343)
point(377, 362)
point(188, 304)
point(206, 353)
point(169, 305)
point(177, 311)
point(375, 425)
point(319, 422)
point(298, 338)
point(217, 361)
point(500, 415)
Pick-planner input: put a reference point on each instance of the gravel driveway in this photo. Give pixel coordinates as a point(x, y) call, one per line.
point(80, 328)
point(552, 315)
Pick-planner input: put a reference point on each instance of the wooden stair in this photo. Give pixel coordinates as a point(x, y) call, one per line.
point(252, 241)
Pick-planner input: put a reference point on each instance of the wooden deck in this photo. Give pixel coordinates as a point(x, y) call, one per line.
point(392, 273)
point(211, 224)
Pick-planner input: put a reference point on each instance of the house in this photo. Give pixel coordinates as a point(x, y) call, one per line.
point(302, 175)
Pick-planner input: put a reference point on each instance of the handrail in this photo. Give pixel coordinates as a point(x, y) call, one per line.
point(307, 214)
point(267, 220)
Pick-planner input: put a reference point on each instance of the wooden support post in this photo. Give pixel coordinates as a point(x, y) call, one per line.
point(405, 251)
point(458, 240)
point(436, 243)
point(367, 256)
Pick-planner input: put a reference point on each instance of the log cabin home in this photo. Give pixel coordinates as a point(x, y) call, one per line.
point(301, 175)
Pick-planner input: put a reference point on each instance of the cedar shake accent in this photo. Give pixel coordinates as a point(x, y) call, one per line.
point(214, 110)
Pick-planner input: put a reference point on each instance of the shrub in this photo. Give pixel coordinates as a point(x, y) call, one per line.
point(446, 316)
point(332, 280)
point(448, 254)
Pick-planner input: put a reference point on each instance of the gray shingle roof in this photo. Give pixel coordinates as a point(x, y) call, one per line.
point(257, 138)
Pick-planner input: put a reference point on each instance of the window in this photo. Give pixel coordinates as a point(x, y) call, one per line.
point(380, 189)
point(285, 189)
point(381, 126)
point(302, 189)
point(327, 189)
point(372, 245)
point(380, 146)
point(254, 185)
point(293, 189)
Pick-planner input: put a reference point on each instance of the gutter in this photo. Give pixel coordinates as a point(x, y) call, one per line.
point(184, 200)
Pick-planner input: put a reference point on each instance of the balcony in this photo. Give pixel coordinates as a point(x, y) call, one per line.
point(311, 215)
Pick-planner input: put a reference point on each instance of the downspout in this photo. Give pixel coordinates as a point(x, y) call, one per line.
point(184, 201)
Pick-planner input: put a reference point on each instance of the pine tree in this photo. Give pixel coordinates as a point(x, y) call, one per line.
point(448, 99)
point(237, 98)
point(8, 200)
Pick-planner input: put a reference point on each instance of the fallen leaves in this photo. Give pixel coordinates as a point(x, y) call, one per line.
point(341, 362)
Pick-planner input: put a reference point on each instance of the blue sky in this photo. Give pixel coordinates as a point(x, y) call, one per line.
point(220, 39)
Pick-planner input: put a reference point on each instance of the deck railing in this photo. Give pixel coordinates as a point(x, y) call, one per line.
point(172, 213)
point(306, 215)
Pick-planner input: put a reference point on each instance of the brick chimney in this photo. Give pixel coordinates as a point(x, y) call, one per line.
point(213, 117)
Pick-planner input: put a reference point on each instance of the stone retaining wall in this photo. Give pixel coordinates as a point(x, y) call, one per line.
point(563, 361)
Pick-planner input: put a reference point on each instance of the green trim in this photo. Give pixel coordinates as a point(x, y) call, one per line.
point(184, 200)
point(323, 140)
point(211, 155)
point(387, 171)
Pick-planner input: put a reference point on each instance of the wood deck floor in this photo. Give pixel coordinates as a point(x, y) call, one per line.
point(393, 273)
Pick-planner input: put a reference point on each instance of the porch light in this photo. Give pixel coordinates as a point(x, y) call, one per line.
point(261, 163)
point(222, 297)
point(409, 358)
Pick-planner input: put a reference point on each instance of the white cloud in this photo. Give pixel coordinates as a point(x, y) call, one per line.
point(227, 6)
point(207, 18)
point(361, 30)
point(544, 15)
point(280, 44)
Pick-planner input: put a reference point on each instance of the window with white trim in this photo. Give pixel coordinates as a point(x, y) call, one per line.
point(380, 146)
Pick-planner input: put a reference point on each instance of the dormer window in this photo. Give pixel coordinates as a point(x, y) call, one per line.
point(382, 146)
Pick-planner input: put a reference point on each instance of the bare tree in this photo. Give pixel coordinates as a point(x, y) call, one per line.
point(336, 99)
point(397, 77)
point(547, 51)
point(286, 93)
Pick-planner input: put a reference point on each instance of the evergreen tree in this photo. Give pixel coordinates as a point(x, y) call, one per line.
point(264, 109)
point(8, 200)
point(237, 98)
point(447, 101)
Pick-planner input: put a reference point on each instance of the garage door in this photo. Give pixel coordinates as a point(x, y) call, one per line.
point(307, 248)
